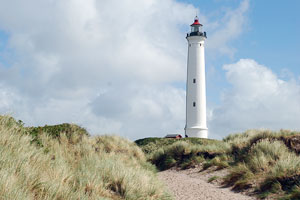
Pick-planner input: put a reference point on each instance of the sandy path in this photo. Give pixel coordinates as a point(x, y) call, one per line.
point(189, 185)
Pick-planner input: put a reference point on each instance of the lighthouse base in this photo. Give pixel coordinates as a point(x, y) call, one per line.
point(196, 132)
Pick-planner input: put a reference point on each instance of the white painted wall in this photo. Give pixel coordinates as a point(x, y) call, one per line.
point(196, 92)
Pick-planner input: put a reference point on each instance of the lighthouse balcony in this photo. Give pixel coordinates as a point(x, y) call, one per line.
point(203, 34)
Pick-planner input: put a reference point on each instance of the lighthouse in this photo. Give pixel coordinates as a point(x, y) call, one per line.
point(195, 86)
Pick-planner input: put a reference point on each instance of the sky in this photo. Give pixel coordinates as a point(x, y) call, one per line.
point(119, 67)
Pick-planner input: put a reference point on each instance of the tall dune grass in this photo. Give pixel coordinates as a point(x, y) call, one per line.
point(263, 161)
point(72, 166)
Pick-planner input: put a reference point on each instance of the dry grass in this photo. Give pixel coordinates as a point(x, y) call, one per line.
point(261, 160)
point(74, 166)
point(185, 154)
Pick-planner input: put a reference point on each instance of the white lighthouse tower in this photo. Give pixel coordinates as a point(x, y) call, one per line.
point(195, 87)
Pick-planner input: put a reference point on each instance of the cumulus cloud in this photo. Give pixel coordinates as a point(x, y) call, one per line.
point(109, 66)
point(257, 99)
point(231, 26)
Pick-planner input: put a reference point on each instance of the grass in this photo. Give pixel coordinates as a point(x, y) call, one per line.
point(63, 162)
point(184, 154)
point(150, 145)
point(270, 162)
point(265, 161)
point(220, 162)
point(213, 178)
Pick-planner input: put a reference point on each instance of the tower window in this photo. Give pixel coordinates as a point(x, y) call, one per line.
point(190, 45)
point(200, 44)
point(194, 80)
point(194, 104)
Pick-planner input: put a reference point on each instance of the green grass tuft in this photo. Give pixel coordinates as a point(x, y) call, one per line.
point(213, 178)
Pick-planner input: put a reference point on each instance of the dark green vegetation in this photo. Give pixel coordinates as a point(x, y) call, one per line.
point(54, 131)
point(264, 163)
point(63, 162)
point(187, 152)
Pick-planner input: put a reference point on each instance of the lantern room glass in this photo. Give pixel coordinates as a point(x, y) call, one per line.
point(196, 28)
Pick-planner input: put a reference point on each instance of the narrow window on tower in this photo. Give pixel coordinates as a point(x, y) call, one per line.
point(194, 104)
point(190, 45)
point(200, 44)
point(194, 80)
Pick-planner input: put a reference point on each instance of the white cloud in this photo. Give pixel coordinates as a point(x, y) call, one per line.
point(228, 28)
point(257, 99)
point(107, 65)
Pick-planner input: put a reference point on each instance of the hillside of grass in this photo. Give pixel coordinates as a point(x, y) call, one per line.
point(64, 162)
point(264, 162)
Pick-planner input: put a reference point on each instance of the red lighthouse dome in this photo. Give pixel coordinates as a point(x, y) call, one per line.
point(196, 29)
point(196, 22)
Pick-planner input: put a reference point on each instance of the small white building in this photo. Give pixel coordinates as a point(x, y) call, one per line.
point(195, 87)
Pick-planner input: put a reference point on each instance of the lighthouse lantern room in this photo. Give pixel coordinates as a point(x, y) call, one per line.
point(196, 87)
point(196, 26)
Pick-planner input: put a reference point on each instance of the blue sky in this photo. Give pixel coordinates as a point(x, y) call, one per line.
point(271, 24)
point(3, 43)
point(124, 72)
point(271, 37)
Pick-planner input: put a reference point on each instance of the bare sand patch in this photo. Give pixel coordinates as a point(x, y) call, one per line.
point(193, 185)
